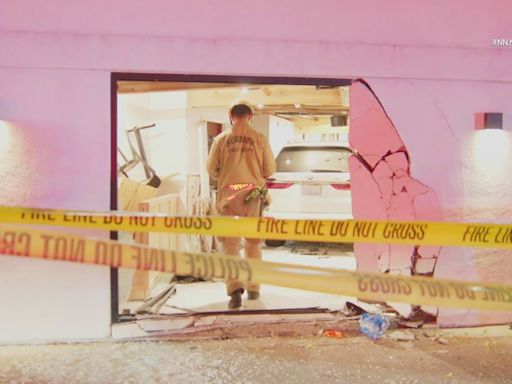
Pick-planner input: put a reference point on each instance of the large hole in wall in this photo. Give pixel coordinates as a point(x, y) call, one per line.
point(163, 133)
point(163, 130)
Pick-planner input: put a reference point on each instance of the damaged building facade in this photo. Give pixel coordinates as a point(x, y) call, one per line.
point(421, 76)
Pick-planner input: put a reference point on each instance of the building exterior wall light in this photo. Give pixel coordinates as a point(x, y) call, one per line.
point(488, 120)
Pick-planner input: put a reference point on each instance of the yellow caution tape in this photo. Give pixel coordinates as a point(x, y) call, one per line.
point(389, 232)
point(49, 245)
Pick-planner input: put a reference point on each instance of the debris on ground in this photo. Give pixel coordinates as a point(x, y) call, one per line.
point(351, 309)
point(153, 304)
point(430, 332)
point(310, 251)
point(410, 324)
point(441, 340)
point(373, 325)
point(296, 322)
point(332, 333)
point(401, 336)
point(319, 249)
point(419, 315)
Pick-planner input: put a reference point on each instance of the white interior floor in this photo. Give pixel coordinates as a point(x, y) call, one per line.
point(211, 296)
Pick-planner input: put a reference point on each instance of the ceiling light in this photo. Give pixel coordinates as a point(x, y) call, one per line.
point(244, 90)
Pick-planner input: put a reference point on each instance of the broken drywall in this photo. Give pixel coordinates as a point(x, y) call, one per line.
point(383, 188)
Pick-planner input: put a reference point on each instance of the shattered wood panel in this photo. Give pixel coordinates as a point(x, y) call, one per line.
point(383, 188)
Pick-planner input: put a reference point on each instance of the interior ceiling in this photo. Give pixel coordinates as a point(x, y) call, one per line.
point(158, 86)
point(292, 102)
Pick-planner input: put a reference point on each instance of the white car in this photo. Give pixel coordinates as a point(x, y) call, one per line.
point(312, 181)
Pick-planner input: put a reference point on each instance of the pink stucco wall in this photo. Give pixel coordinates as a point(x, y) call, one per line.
point(431, 65)
point(468, 169)
point(57, 155)
point(449, 23)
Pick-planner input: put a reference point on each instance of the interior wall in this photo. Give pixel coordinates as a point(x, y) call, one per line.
point(56, 98)
point(196, 117)
point(132, 110)
point(278, 131)
point(166, 143)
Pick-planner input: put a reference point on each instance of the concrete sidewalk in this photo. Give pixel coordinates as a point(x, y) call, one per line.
point(452, 359)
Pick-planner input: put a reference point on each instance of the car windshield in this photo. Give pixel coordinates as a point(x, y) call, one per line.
point(313, 159)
